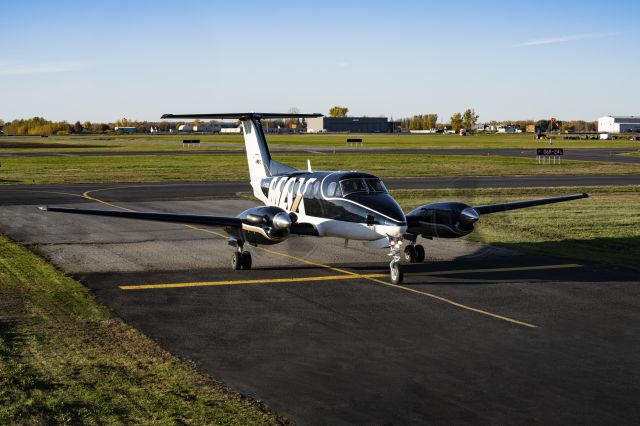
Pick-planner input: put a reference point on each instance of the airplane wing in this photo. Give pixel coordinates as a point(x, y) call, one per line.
point(454, 219)
point(234, 222)
point(162, 217)
point(501, 207)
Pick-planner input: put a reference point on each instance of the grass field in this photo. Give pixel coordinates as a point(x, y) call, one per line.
point(234, 167)
point(64, 359)
point(396, 141)
point(604, 228)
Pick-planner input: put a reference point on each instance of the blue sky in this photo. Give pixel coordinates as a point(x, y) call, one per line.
point(72, 60)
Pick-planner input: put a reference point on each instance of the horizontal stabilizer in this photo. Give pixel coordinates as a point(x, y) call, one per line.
point(241, 115)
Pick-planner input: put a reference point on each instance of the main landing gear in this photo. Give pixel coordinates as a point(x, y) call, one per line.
point(414, 253)
point(241, 259)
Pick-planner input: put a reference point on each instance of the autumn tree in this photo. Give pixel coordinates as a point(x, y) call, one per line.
point(338, 111)
point(469, 118)
point(429, 121)
point(457, 122)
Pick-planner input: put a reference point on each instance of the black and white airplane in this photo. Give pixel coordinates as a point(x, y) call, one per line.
point(344, 204)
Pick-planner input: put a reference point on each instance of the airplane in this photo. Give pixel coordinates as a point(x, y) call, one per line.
point(350, 205)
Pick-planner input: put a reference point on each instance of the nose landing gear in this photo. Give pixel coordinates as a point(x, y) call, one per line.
point(395, 271)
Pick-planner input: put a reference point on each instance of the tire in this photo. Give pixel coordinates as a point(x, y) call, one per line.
point(246, 260)
point(236, 261)
point(395, 273)
point(420, 254)
point(409, 254)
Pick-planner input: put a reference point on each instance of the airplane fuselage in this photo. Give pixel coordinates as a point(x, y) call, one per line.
point(350, 205)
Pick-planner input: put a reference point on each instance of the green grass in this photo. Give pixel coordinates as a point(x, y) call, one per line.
point(64, 359)
point(234, 167)
point(226, 141)
point(603, 228)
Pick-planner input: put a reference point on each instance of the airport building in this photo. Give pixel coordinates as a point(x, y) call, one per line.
point(351, 124)
point(123, 129)
point(618, 124)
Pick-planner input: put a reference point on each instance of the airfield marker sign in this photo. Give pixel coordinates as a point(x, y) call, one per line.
point(545, 154)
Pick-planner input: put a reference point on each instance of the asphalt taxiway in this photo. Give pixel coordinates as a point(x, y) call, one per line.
point(476, 335)
point(576, 154)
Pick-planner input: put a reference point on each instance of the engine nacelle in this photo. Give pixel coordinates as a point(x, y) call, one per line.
point(263, 225)
point(443, 220)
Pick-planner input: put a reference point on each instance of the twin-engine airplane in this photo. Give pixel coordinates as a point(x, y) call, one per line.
point(350, 205)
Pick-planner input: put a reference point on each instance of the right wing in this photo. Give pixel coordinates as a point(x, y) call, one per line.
point(234, 222)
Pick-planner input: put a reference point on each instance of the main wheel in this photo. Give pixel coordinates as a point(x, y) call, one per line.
point(420, 254)
point(236, 260)
point(409, 254)
point(246, 260)
point(395, 273)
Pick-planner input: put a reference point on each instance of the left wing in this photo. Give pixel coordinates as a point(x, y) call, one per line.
point(502, 207)
point(162, 217)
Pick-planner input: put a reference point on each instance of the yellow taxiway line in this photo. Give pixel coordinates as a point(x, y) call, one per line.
point(352, 275)
point(336, 277)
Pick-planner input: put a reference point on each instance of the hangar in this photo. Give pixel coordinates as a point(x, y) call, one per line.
point(618, 124)
point(351, 124)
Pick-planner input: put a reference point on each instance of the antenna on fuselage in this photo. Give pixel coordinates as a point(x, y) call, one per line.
point(309, 165)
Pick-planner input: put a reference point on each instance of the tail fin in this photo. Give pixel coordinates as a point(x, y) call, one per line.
point(258, 157)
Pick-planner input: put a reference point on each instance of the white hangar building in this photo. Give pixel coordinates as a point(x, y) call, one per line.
point(618, 124)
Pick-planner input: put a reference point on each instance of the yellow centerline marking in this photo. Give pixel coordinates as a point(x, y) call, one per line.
point(343, 271)
point(247, 282)
point(336, 277)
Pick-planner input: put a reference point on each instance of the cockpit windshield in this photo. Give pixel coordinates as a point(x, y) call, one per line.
point(362, 185)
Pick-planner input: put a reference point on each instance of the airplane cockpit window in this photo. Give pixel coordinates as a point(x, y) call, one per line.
point(369, 186)
point(375, 185)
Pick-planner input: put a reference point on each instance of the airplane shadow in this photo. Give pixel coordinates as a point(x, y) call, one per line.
point(601, 260)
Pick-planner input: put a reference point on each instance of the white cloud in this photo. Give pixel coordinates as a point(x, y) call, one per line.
point(563, 39)
point(20, 68)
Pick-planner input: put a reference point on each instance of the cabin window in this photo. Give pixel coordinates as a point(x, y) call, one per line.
point(333, 190)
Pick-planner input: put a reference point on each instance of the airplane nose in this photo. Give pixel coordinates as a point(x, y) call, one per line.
point(395, 231)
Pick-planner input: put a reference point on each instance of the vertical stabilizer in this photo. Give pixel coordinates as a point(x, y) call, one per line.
point(258, 156)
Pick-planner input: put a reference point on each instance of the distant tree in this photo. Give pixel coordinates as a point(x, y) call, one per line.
point(294, 122)
point(87, 125)
point(469, 119)
point(77, 127)
point(338, 111)
point(567, 125)
point(543, 125)
point(1, 122)
point(457, 122)
point(429, 121)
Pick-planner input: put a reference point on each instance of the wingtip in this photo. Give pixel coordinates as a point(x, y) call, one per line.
point(43, 208)
point(585, 195)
